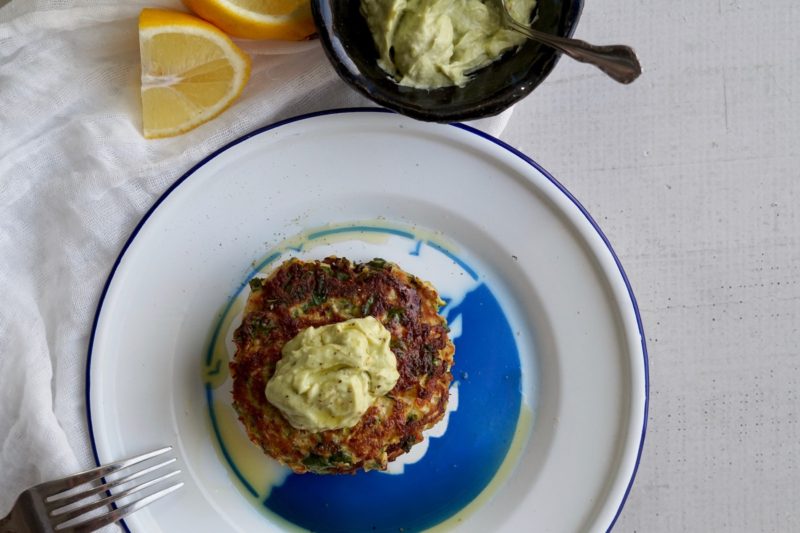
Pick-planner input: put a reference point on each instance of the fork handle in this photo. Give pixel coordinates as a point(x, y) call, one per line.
point(12, 524)
point(5, 523)
point(23, 518)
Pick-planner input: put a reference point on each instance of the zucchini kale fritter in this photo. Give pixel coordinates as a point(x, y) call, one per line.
point(301, 294)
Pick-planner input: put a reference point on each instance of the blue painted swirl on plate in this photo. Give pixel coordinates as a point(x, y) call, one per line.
point(456, 467)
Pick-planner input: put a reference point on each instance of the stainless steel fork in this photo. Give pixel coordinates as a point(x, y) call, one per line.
point(52, 506)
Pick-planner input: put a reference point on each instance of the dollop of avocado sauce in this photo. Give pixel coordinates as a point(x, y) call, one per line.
point(329, 376)
point(438, 43)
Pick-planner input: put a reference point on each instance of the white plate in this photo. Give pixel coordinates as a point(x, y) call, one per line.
point(549, 402)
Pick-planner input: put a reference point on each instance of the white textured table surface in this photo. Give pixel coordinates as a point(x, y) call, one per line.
point(693, 172)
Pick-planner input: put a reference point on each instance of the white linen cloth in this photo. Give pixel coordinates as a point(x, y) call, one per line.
point(76, 176)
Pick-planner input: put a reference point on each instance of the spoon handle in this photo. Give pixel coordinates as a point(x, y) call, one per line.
point(616, 60)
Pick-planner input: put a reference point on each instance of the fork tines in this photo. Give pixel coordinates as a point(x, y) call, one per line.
point(61, 500)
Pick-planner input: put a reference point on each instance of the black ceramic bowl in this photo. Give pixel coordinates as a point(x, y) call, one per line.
point(348, 43)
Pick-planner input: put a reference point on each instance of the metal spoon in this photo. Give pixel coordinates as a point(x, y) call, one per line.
point(616, 60)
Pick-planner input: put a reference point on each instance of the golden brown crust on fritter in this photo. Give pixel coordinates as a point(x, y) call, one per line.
point(301, 294)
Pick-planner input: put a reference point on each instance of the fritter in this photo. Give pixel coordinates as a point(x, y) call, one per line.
point(300, 294)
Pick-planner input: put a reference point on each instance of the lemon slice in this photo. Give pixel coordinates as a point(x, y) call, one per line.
point(288, 20)
point(191, 72)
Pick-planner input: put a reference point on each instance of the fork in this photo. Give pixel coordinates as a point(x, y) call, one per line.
point(50, 506)
point(616, 60)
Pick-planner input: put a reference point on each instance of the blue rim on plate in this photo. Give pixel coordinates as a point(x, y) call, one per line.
point(464, 127)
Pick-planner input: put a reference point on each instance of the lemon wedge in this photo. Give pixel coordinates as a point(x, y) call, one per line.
point(288, 20)
point(191, 72)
